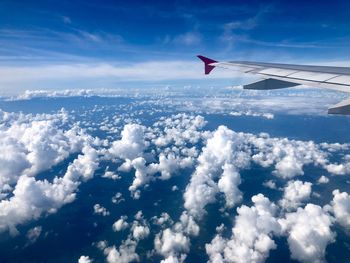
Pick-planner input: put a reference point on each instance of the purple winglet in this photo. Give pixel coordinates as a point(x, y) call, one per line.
point(207, 68)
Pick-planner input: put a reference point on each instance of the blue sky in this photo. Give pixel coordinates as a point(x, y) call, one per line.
point(42, 34)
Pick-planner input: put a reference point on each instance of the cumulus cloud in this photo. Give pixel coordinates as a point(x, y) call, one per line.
point(171, 245)
point(32, 198)
point(85, 259)
point(270, 184)
point(174, 243)
point(33, 234)
point(177, 130)
point(140, 231)
point(295, 192)
point(268, 116)
point(323, 180)
point(228, 184)
point(117, 198)
point(341, 208)
point(132, 143)
point(288, 156)
point(309, 233)
point(100, 210)
point(221, 157)
point(34, 143)
point(251, 238)
point(120, 224)
point(111, 175)
point(162, 219)
point(124, 254)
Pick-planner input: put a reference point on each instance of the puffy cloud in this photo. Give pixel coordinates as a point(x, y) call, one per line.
point(222, 156)
point(171, 244)
point(140, 232)
point(252, 233)
point(117, 198)
point(341, 208)
point(127, 250)
point(295, 192)
point(111, 175)
point(173, 259)
point(33, 234)
point(179, 129)
point(132, 143)
point(34, 143)
point(270, 184)
point(142, 176)
point(187, 225)
point(268, 116)
point(169, 164)
point(309, 233)
point(323, 180)
point(340, 169)
point(120, 224)
point(228, 184)
point(124, 254)
point(162, 220)
point(100, 210)
point(85, 259)
point(288, 156)
point(32, 198)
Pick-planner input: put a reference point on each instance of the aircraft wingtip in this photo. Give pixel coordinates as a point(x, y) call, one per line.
point(207, 61)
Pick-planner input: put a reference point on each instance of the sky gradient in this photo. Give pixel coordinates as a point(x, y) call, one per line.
point(84, 44)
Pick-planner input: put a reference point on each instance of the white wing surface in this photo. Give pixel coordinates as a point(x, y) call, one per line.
point(277, 76)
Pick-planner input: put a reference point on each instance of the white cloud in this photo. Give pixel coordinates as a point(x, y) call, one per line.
point(295, 192)
point(120, 224)
point(222, 155)
point(288, 156)
point(124, 254)
point(34, 143)
point(340, 169)
point(117, 198)
point(341, 208)
point(100, 210)
point(309, 233)
point(252, 233)
point(140, 232)
point(323, 180)
point(270, 184)
point(33, 234)
point(151, 71)
point(163, 219)
point(187, 225)
point(268, 116)
point(228, 184)
point(32, 198)
point(111, 175)
point(132, 143)
point(171, 244)
point(85, 259)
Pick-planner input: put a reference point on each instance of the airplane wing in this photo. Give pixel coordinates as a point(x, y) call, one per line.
point(278, 76)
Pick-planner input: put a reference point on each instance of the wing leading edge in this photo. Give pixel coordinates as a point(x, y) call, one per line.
point(277, 76)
